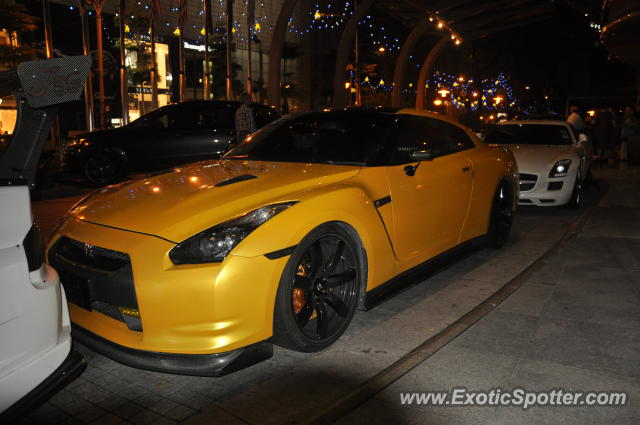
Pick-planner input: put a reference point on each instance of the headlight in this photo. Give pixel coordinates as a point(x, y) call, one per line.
point(72, 142)
point(560, 168)
point(215, 243)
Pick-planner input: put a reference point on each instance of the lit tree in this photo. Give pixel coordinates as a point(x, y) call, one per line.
point(15, 20)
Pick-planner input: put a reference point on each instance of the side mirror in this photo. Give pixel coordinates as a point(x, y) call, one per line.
point(422, 155)
point(582, 137)
point(419, 156)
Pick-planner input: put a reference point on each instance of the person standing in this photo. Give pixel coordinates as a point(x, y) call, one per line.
point(630, 136)
point(245, 123)
point(576, 121)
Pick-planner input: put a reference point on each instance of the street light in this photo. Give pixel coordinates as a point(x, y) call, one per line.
point(443, 92)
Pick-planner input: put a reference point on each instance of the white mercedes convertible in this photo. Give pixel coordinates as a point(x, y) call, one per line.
point(553, 161)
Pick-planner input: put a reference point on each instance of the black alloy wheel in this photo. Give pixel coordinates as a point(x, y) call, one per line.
point(100, 169)
point(318, 292)
point(501, 218)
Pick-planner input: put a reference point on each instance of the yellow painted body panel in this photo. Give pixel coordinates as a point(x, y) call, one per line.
point(213, 308)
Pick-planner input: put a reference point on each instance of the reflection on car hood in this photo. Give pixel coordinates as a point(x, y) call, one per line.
point(540, 158)
point(183, 202)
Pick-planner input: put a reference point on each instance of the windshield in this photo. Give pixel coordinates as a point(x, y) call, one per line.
point(339, 138)
point(528, 134)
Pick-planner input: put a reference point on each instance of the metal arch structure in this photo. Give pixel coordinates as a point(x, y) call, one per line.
point(399, 74)
point(342, 56)
point(425, 70)
point(468, 20)
point(275, 52)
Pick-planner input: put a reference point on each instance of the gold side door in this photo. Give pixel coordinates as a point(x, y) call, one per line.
point(430, 198)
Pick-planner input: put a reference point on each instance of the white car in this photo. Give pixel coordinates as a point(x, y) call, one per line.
point(36, 356)
point(553, 161)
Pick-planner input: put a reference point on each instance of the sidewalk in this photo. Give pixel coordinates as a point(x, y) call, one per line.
point(574, 325)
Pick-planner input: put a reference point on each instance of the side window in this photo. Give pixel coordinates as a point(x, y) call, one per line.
point(160, 122)
point(215, 118)
point(170, 118)
point(454, 138)
point(418, 133)
point(566, 136)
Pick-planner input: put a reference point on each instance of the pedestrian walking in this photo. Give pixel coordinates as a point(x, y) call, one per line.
point(630, 136)
point(603, 133)
point(576, 120)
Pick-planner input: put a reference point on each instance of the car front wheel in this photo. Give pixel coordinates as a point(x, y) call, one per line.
point(576, 196)
point(501, 217)
point(100, 169)
point(318, 291)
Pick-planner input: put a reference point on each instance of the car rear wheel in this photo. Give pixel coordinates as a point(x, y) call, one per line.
point(318, 292)
point(100, 169)
point(501, 217)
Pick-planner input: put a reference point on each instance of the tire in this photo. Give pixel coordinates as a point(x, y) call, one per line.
point(100, 169)
point(576, 196)
point(318, 291)
point(501, 218)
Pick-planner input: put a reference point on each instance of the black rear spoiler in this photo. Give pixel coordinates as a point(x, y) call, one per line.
point(39, 87)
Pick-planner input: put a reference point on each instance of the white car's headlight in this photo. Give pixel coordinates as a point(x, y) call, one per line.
point(215, 243)
point(560, 168)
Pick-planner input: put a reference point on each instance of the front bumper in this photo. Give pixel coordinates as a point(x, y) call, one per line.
point(545, 191)
point(217, 364)
point(204, 311)
point(70, 369)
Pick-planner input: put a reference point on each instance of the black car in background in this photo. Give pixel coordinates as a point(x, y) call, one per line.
point(168, 136)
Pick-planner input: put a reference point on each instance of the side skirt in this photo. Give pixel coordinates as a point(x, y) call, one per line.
point(430, 267)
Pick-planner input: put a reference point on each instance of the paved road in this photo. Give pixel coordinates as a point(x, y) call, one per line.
point(574, 324)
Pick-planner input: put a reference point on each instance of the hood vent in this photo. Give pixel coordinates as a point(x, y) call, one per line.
point(237, 179)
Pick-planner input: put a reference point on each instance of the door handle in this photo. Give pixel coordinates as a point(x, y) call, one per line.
point(467, 168)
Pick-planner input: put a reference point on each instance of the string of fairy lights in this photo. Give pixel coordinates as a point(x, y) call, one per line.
point(489, 94)
point(321, 17)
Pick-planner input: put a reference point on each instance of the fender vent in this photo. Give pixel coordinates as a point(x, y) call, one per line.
point(238, 179)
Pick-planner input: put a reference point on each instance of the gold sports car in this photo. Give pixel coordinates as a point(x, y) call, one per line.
point(200, 269)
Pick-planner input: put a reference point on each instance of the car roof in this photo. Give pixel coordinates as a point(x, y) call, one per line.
point(229, 103)
point(382, 111)
point(534, 122)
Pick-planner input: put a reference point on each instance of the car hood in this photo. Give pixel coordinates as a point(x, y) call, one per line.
point(99, 134)
point(185, 201)
point(540, 158)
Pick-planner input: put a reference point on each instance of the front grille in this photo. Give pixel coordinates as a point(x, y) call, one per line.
point(96, 278)
point(527, 181)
